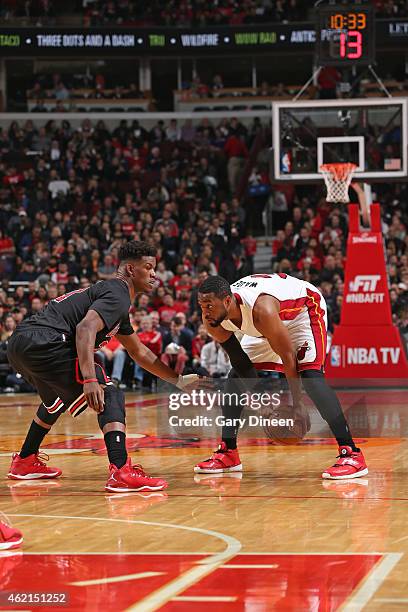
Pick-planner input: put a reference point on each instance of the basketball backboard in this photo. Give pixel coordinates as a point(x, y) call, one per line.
point(371, 133)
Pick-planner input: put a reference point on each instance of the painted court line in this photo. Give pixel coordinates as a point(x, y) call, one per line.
point(120, 554)
point(114, 579)
point(232, 543)
point(203, 554)
point(207, 598)
point(157, 599)
point(372, 583)
point(213, 561)
point(250, 566)
point(58, 493)
point(206, 566)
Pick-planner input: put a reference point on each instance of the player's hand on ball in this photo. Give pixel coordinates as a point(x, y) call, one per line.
point(94, 395)
point(194, 381)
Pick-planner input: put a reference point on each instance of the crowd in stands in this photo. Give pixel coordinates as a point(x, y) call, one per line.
point(193, 13)
point(66, 208)
point(67, 96)
point(215, 88)
point(184, 13)
point(62, 90)
point(388, 9)
point(33, 12)
point(189, 13)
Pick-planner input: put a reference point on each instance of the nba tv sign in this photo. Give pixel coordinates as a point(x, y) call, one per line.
point(374, 353)
point(344, 356)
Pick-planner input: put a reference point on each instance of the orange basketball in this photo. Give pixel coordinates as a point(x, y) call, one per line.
point(296, 427)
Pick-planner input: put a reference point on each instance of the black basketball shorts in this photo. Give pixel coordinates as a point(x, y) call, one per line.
point(49, 362)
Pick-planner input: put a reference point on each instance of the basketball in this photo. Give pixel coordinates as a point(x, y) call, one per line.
point(289, 434)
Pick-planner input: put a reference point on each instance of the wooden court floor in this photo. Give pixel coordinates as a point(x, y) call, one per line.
point(275, 538)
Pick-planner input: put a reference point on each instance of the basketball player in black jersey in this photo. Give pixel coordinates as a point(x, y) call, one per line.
point(54, 351)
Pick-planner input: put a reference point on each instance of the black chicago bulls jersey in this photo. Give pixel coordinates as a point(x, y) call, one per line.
point(109, 298)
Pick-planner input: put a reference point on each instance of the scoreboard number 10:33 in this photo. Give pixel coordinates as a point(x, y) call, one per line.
point(345, 35)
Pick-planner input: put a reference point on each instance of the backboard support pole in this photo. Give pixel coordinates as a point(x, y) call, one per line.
point(306, 85)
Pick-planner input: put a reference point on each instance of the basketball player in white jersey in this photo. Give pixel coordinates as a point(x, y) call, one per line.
point(284, 322)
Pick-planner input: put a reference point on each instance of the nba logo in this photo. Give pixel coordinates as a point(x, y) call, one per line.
point(286, 163)
point(335, 356)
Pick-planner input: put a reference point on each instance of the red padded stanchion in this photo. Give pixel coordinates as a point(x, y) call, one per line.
point(366, 345)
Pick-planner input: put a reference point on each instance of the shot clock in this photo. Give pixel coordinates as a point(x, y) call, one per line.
point(345, 35)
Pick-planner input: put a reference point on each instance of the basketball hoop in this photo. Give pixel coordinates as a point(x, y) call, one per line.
point(338, 178)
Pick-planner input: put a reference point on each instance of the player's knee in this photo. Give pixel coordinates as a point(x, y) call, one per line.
point(114, 411)
point(323, 396)
point(313, 382)
point(46, 417)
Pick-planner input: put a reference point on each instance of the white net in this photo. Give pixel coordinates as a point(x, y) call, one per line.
point(338, 178)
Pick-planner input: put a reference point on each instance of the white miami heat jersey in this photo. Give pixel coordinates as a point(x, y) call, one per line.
point(295, 296)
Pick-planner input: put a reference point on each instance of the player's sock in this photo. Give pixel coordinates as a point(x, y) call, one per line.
point(116, 446)
point(230, 442)
point(32, 443)
point(231, 410)
point(231, 413)
point(229, 434)
point(327, 403)
point(342, 433)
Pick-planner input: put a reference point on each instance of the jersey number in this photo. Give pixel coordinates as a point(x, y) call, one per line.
point(60, 298)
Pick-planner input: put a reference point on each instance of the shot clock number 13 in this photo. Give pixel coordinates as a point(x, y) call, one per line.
point(345, 35)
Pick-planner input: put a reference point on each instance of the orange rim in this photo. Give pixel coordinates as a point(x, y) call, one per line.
point(340, 172)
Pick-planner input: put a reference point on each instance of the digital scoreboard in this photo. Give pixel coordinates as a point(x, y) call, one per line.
point(345, 35)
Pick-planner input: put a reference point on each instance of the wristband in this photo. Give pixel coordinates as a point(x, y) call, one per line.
point(89, 380)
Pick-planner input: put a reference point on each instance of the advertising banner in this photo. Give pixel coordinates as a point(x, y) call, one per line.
point(366, 344)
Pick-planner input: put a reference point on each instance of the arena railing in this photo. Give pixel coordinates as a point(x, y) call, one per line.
point(147, 120)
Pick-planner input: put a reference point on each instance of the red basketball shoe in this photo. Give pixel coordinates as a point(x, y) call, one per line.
point(350, 464)
point(132, 478)
point(9, 537)
point(222, 460)
point(32, 467)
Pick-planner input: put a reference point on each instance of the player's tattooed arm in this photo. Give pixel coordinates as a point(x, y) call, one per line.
point(267, 322)
point(85, 336)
